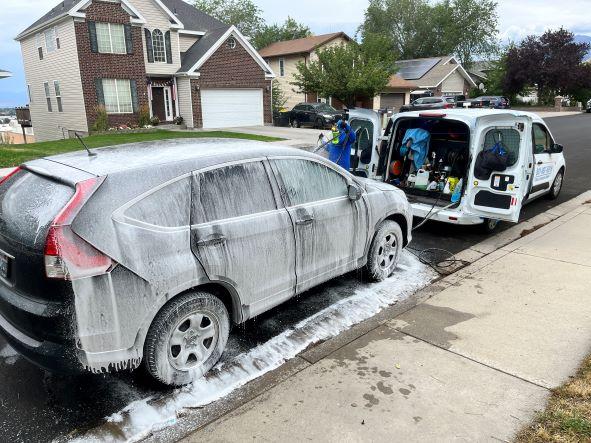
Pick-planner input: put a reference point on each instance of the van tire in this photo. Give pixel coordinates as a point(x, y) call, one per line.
point(190, 318)
point(384, 252)
point(556, 186)
point(489, 226)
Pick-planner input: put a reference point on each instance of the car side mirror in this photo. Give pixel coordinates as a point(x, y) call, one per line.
point(557, 149)
point(355, 193)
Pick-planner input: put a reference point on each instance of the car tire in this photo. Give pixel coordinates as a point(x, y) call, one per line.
point(295, 123)
point(489, 226)
point(186, 339)
point(319, 124)
point(384, 252)
point(556, 186)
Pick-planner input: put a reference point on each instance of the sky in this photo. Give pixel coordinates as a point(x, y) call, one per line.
point(517, 19)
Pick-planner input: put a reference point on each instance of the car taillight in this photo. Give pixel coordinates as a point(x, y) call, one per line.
point(10, 174)
point(448, 106)
point(68, 256)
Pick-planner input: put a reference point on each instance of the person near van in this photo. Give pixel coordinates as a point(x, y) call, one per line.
point(340, 152)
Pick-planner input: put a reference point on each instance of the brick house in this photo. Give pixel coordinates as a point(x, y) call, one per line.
point(164, 56)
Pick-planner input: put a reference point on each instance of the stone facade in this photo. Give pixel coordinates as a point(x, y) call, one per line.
point(94, 66)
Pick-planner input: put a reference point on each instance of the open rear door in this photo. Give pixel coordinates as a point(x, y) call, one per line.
point(501, 196)
point(364, 153)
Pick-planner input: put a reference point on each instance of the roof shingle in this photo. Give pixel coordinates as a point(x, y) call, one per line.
point(300, 45)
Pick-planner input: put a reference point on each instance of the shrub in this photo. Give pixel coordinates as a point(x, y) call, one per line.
point(179, 120)
point(144, 116)
point(101, 123)
point(155, 121)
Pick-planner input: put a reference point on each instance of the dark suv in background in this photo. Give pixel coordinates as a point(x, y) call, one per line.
point(316, 115)
point(493, 102)
point(427, 103)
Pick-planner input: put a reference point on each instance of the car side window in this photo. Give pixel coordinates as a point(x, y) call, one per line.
point(298, 108)
point(305, 181)
point(168, 207)
point(232, 191)
point(542, 141)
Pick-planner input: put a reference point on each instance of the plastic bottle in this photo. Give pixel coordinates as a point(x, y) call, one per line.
point(457, 195)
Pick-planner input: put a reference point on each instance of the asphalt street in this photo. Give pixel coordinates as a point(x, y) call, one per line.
point(37, 406)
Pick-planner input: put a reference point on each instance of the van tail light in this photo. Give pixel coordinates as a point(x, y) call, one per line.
point(10, 174)
point(68, 256)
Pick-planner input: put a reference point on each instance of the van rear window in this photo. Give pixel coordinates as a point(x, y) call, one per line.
point(509, 138)
point(28, 205)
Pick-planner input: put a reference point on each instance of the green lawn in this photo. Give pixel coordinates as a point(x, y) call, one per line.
point(14, 155)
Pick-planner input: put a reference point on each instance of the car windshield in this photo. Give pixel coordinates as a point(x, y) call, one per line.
point(323, 107)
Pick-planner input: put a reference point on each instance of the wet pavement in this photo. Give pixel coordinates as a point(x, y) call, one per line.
point(37, 406)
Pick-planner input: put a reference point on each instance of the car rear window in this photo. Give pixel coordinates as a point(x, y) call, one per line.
point(169, 206)
point(28, 205)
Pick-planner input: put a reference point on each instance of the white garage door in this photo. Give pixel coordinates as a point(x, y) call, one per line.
point(223, 108)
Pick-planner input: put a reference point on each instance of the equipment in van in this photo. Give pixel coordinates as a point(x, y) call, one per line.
point(419, 146)
point(489, 160)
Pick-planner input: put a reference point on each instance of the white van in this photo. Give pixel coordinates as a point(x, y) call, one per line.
point(535, 163)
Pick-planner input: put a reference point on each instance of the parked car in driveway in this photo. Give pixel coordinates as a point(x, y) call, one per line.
point(148, 253)
point(425, 103)
point(492, 102)
point(589, 105)
point(316, 115)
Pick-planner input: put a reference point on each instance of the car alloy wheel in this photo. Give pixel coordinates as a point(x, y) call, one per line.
point(384, 252)
point(192, 341)
point(556, 186)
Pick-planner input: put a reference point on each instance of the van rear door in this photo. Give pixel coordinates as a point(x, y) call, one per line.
point(364, 153)
point(501, 195)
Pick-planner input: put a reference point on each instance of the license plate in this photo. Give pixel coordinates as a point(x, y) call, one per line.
point(4, 262)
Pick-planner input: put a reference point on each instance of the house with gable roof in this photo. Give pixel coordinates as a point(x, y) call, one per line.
point(164, 56)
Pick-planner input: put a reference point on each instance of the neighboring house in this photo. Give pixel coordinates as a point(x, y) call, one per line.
point(283, 57)
point(396, 94)
point(437, 75)
point(14, 134)
point(5, 74)
point(164, 56)
point(479, 71)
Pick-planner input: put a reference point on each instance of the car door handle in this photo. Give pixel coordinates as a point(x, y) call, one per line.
point(305, 221)
point(212, 240)
point(540, 162)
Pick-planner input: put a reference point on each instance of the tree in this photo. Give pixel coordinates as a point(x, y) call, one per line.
point(552, 62)
point(344, 72)
point(278, 98)
point(243, 14)
point(418, 28)
point(290, 30)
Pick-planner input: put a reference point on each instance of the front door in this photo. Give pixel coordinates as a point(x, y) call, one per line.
point(330, 229)
point(168, 103)
point(543, 161)
point(158, 106)
point(240, 234)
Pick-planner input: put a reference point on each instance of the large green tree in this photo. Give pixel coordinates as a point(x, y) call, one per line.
point(419, 28)
point(345, 72)
point(243, 14)
point(290, 30)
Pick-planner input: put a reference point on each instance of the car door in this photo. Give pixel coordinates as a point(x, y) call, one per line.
point(330, 229)
point(544, 164)
point(501, 196)
point(241, 235)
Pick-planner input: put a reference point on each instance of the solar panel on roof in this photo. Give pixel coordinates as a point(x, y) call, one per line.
point(415, 69)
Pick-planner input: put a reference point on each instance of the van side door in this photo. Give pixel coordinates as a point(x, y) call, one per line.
point(242, 235)
point(502, 194)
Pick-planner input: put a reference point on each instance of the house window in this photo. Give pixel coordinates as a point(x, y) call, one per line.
point(39, 46)
point(281, 67)
point(231, 43)
point(48, 96)
point(158, 46)
point(111, 38)
point(50, 40)
point(118, 98)
point(58, 95)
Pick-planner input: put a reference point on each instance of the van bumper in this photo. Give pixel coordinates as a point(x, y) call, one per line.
point(453, 216)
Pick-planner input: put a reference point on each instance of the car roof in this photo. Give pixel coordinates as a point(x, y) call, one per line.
point(184, 154)
point(471, 115)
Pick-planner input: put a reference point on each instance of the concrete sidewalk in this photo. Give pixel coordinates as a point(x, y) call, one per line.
point(473, 363)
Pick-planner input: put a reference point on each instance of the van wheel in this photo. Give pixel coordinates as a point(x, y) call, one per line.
point(489, 226)
point(384, 252)
point(186, 339)
point(556, 186)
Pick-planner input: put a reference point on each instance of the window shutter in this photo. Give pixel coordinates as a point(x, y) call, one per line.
point(134, 98)
point(40, 53)
point(149, 46)
point(168, 48)
point(100, 95)
point(92, 35)
point(128, 39)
